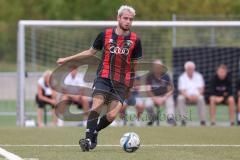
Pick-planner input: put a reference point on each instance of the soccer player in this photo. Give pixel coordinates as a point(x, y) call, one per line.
point(221, 92)
point(45, 96)
point(121, 49)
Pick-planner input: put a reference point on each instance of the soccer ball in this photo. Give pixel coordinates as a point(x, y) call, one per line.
point(130, 142)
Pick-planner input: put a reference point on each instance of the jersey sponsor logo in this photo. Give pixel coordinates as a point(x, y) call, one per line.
point(114, 49)
point(118, 50)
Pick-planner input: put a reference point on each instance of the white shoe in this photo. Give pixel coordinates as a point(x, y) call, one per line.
point(114, 124)
point(60, 123)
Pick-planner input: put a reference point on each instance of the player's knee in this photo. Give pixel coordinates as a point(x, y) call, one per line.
point(97, 103)
point(111, 116)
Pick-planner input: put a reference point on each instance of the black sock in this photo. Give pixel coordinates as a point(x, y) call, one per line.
point(103, 123)
point(91, 124)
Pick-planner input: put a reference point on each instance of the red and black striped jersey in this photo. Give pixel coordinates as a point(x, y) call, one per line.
point(118, 54)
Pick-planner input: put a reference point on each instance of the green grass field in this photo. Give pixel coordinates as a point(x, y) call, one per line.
point(111, 136)
point(10, 106)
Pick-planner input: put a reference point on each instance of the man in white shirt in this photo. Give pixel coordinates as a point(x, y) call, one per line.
point(75, 78)
point(191, 89)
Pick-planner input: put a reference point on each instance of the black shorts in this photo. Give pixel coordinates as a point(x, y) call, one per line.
point(111, 90)
point(225, 99)
point(42, 104)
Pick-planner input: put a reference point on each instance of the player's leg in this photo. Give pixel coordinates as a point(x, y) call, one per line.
point(201, 110)
point(98, 101)
point(114, 108)
point(101, 91)
point(115, 102)
point(231, 108)
point(89, 142)
point(122, 114)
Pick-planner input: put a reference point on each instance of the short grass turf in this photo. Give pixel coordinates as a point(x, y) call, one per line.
point(111, 135)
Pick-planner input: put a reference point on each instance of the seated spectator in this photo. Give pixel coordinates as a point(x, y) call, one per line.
point(221, 92)
point(45, 96)
point(158, 91)
point(76, 78)
point(191, 89)
point(133, 100)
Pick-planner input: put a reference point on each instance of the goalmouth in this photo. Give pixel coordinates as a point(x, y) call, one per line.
point(159, 37)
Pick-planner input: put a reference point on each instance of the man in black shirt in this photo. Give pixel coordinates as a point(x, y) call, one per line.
point(221, 92)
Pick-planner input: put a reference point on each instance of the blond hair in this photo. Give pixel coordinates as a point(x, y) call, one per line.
point(126, 8)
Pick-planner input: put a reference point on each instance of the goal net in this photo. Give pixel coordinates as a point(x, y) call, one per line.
point(207, 43)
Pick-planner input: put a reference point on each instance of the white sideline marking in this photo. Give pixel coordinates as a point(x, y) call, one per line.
point(9, 155)
point(115, 145)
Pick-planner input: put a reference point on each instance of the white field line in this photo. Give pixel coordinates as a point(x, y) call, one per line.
point(115, 145)
point(9, 155)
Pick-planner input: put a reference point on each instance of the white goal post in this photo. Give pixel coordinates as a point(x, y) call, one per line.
point(28, 23)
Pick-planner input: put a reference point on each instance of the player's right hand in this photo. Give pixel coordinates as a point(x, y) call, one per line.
point(61, 60)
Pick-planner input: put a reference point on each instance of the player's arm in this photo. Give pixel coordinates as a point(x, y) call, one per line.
point(87, 53)
point(96, 46)
point(137, 54)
